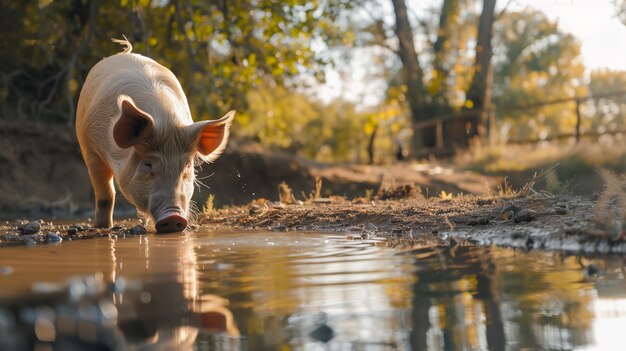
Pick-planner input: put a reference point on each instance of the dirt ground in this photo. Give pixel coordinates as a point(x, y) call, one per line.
point(537, 222)
point(42, 176)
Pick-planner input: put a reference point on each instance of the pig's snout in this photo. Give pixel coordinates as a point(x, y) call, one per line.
point(171, 221)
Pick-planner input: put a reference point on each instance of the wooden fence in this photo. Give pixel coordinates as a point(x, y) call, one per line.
point(438, 121)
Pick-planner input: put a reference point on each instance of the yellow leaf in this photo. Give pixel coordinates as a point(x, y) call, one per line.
point(445, 196)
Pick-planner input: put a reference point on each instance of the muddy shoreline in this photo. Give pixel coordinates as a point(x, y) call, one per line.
point(539, 222)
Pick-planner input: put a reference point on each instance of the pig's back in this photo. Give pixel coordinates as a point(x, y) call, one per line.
point(152, 87)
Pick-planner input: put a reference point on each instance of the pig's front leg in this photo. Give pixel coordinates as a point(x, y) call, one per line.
point(102, 182)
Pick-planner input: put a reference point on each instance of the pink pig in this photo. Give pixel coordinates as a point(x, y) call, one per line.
point(134, 125)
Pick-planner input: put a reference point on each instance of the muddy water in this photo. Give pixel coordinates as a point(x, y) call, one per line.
point(271, 291)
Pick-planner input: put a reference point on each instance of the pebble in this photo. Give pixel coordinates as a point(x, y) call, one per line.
point(323, 333)
point(53, 238)
point(525, 216)
point(254, 209)
point(30, 228)
point(509, 212)
point(117, 228)
point(72, 231)
point(138, 230)
point(591, 271)
point(483, 202)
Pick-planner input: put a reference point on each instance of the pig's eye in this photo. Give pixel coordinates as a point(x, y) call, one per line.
point(146, 168)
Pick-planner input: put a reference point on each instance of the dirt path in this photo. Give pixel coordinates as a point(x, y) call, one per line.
point(537, 222)
point(562, 223)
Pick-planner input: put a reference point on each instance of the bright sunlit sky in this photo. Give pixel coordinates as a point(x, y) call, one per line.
point(593, 22)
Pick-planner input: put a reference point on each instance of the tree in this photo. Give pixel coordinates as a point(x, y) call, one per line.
point(218, 49)
point(478, 96)
point(429, 103)
point(414, 76)
point(607, 112)
point(535, 61)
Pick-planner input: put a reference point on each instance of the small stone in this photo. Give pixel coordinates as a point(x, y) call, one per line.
point(254, 209)
point(72, 231)
point(483, 202)
point(591, 271)
point(479, 221)
point(117, 228)
point(30, 228)
point(323, 333)
point(525, 216)
point(279, 228)
point(53, 238)
point(138, 230)
point(530, 243)
point(509, 212)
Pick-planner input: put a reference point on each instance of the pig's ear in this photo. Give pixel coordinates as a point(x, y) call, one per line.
point(133, 126)
point(211, 136)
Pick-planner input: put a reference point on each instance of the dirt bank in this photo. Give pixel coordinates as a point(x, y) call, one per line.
point(565, 223)
point(42, 175)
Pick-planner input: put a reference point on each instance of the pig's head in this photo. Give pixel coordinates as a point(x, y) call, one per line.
point(159, 176)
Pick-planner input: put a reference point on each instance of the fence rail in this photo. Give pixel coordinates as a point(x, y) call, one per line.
point(491, 112)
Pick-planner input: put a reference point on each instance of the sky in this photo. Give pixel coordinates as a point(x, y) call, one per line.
point(593, 22)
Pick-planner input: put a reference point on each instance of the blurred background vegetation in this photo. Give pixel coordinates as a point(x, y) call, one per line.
point(489, 64)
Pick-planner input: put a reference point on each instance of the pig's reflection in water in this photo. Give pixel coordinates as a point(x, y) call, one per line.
point(170, 321)
point(169, 313)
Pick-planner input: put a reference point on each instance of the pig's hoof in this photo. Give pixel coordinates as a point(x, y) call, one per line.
point(171, 223)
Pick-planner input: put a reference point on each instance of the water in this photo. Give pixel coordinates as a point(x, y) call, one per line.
point(284, 291)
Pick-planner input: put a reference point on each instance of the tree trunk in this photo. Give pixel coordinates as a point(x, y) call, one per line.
point(479, 94)
point(413, 77)
point(449, 13)
point(441, 71)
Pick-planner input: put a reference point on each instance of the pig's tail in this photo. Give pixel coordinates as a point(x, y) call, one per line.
point(128, 47)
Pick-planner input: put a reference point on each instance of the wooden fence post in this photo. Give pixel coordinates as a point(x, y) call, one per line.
point(492, 126)
point(439, 134)
point(578, 120)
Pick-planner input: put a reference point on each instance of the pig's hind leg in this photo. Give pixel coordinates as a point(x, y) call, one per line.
point(102, 182)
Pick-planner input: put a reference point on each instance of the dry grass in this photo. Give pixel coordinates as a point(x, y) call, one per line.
point(516, 158)
point(610, 209)
point(285, 194)
point(318, 188)
point(209, 206)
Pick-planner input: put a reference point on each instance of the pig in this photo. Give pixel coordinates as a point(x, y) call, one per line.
point(134, 126)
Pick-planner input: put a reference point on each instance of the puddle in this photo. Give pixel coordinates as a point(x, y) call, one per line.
point(260, 291)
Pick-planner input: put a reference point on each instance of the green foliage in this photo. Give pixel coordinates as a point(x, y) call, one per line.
point(607, 112)
point(219, 50)
point(282, 119)
point(535, 62)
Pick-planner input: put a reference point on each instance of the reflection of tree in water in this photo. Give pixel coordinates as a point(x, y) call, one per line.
point(521, 307)
point(551, 308)
point(451, 294)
